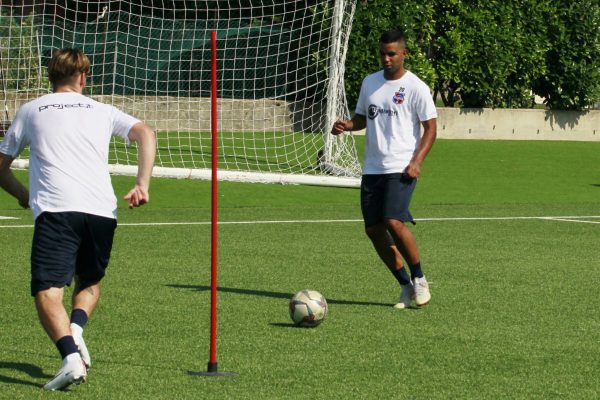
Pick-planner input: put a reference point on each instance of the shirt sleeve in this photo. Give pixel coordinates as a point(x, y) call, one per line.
point(360, 104)
point(122, 123)
point(16, 137)
point(425, 105)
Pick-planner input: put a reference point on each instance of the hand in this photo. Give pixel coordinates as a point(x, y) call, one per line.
point(340, 126)
point(413, 170)
point(137, 196)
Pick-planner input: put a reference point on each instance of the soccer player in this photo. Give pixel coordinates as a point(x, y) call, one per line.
point(72, 199)
point(393, 105)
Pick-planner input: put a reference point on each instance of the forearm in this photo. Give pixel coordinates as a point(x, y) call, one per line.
point(146, 155)
point(13, 186)
point(145, 138)
point(427, 140)
point(358, 122)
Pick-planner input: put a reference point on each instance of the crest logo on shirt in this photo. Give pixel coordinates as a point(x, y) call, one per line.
point(373, 111)
point(399, 96)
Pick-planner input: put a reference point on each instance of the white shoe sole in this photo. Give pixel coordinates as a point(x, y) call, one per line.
point(423, 304)
point(76, 381)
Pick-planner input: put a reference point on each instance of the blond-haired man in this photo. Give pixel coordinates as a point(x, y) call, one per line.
point(72, 199)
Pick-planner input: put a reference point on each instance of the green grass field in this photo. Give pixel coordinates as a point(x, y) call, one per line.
point(509, 235)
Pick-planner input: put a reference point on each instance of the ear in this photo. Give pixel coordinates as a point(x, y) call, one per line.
point(82, 78)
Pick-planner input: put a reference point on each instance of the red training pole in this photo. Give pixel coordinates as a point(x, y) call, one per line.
point(213, 370)
point(212, 364)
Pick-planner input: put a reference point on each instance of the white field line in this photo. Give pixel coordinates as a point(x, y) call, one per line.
point(3, 217)
point(575, 220)
point(571, 218)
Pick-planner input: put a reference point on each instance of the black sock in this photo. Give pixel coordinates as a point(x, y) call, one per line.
point(401, 276)
point(415, 270)
point(66, 345)
point(79, 317)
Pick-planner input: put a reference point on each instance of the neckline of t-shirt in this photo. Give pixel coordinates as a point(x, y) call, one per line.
point(394, 81)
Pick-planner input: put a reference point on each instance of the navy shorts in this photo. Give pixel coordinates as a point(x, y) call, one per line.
point(66, 244)
point(386, 196)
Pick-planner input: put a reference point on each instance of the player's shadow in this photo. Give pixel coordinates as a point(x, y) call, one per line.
point(32, 370)
point(277, 295)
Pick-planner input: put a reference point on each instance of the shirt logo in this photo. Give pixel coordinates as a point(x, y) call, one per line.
point(63, 106)
point(374, 111)
point(399, 96)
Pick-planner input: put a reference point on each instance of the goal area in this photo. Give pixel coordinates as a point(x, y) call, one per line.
point(280, 69)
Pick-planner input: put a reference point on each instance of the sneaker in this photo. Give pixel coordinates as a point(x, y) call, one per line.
point(407, 294)
point(80, 343)
point(72, 372)
point(422, 295)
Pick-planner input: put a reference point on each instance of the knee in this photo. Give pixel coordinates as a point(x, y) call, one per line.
point(373, 232)
point(394, 225)
point(376, 232)
point(50, 295)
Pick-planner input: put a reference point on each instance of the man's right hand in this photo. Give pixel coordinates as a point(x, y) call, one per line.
point(340, 126)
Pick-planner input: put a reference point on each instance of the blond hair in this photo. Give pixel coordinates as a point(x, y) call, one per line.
point(66, 64)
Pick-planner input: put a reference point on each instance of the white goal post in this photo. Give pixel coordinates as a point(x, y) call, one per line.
point(280, 80)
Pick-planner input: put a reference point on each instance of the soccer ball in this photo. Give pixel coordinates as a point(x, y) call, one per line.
point(308, 308)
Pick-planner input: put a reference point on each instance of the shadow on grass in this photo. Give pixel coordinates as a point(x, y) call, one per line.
point(286, 325)
point(32, 370)
point(277, 295)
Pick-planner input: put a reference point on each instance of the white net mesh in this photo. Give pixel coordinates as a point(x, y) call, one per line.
point(280, 77)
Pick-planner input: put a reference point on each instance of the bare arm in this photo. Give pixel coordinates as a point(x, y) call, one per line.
point(10, 183)
point(145, 138)
point(357, 123)
point(429, 134)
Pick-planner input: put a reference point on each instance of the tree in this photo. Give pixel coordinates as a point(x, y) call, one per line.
point(372, 18)
point(572, 81)
point(494, 53)
point(488, 53)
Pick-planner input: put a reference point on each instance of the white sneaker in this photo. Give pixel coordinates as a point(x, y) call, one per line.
point(407, 294)
point(422, 295)
point(72, 372)
point(77, 333)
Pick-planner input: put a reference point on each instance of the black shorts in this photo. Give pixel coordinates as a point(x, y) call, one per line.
point(67, 244)
point(386, 196)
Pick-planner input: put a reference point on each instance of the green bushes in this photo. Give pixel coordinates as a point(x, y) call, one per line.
point(488, 53)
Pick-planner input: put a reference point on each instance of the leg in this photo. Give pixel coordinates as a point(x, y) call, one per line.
point(54, 319)
point(84, 303)
point(404, 239)
point(52, 313)
point(87, 298)
point(385, 246)
point(373, 206)
point(388, 252)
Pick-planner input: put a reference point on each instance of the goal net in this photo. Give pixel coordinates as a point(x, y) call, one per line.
point(280, 80)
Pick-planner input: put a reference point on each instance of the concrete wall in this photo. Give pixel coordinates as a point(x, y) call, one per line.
point(517, 124)
point(193, 114)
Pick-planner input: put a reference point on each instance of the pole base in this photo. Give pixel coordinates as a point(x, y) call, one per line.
point(213, 370)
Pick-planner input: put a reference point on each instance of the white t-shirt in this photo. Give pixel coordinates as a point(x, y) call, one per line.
point(69, 136)
point(394, 110)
